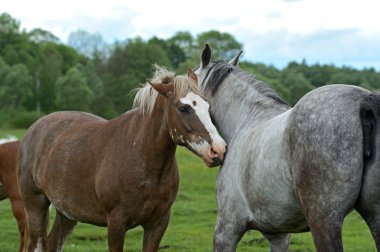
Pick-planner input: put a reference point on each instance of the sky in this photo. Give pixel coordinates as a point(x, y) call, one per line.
point(275, 32)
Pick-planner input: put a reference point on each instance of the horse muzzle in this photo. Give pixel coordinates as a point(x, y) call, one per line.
point(215, 155)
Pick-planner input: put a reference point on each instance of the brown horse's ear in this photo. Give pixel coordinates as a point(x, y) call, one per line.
point(166, 90)
point(235, 60)
point(206, 56)
point(192, 75)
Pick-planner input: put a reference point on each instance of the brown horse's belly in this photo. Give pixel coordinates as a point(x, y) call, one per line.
point(81, 212)
point(77, 205)
point(141, 207)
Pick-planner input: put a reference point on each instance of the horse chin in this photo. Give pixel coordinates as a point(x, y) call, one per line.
point(208, 157)
point(211, 164)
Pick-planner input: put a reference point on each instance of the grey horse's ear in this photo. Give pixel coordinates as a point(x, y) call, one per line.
point(206, 56)
point(235, 60)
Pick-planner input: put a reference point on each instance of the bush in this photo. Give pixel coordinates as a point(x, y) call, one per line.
point(24, 119)
point(6, 115)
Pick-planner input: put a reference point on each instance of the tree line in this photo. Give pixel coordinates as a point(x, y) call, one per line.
point(39, 74)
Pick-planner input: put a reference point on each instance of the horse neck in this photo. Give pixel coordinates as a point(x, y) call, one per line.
point(237, 105)
point(150, 138)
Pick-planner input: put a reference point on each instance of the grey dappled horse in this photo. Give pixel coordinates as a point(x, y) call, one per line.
point(292, 170)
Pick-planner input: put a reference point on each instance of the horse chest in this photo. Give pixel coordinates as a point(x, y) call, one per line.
point(154, 200)
point(257, 172)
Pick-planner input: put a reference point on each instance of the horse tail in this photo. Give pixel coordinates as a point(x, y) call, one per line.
point(370, 118)
point(368, 203)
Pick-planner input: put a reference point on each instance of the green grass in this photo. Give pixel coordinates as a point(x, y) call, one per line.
point(192, 220)
point(4, 132)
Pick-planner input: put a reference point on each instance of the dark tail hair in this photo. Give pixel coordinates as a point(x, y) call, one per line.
point(370, 117)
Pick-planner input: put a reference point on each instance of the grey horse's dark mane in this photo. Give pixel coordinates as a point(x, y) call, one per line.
point(222, 69)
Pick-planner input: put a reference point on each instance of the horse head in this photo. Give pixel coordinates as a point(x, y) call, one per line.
point(188, 119)
point(203, 72)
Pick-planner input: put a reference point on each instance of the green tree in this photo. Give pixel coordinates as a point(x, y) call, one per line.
point(317, 75)
point(185, 41)
point(87, 43)
point(53, 61)
point(224, 46)
point(99, 103)
point(296, 83)
point(372, 79)
point(270, 75)
point(49, 70)
point(128, 66)
point(175, 53)
point(8, 24)
point(40, 36)
point(15, 46)
point(367, 78)
point(16, 85)
point(73, 91)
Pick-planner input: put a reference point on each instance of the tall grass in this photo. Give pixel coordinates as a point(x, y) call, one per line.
point(192, 220)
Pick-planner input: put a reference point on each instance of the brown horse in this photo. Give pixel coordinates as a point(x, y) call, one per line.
point(8, 180)
point(120, 173)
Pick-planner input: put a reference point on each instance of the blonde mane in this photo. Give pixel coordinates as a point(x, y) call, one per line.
point(146, 96)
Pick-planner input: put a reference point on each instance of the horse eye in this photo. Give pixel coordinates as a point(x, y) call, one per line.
point(184, 109)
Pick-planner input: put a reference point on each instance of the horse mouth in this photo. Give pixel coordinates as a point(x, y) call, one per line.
point(211, 158)
point(215, 162)
point(212, 155)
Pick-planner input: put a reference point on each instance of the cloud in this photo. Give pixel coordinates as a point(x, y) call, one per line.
point(339, 47)
point(273, 31)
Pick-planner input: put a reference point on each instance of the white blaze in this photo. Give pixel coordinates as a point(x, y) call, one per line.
point(201, 108)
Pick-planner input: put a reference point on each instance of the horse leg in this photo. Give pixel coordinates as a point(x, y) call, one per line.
point(229, 230)
point(278, 242)
point(11, 186)
point(153, 234)
point(60, 231)
point(368, 204)
point(37, 219)
point(3, 193)
point(372, 218)
point(19, 214)
point(325, 204)
point(36, 206)
point(327, 233)
point(324, 214)
point(116, 227)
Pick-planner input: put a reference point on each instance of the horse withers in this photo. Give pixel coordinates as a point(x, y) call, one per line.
point(294, 169)
point(119, 173)
point(8, 179)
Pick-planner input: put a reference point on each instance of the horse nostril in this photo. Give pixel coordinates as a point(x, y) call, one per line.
point(213, 151)
point(216, 159)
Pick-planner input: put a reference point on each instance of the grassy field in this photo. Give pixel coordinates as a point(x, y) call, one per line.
point(192, 220)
